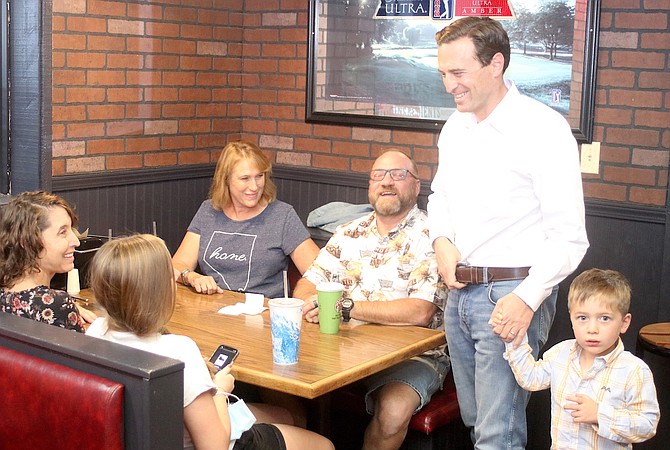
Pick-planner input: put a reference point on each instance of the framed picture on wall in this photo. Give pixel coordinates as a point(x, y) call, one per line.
point(374, 62)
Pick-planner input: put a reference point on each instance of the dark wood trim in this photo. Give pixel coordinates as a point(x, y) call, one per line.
point(30, 97)
point(343, 182)
point(130, 177)
point(45, 130)
point(325, 176)
point(596, 208)
point(4, 97)
point(633, 213)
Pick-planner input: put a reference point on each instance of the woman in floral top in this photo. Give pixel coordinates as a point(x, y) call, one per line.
point(36, 242)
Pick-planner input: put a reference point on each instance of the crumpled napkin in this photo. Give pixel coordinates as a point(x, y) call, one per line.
point(253, 304)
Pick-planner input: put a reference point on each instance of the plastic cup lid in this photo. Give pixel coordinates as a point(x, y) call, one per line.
point(330, 286)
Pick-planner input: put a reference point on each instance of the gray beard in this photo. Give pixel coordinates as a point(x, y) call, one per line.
point(386, 208)
point(394, 207)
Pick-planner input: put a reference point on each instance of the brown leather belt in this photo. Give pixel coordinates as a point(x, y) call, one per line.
point(480, 275)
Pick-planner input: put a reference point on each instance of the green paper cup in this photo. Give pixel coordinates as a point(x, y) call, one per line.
point(329, 317)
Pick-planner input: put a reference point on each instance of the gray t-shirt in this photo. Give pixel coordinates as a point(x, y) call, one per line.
point(248, 255)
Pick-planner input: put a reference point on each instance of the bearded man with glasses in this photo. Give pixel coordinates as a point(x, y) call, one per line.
point(388, 267)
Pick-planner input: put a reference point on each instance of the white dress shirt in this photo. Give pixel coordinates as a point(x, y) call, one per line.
point(508, 193)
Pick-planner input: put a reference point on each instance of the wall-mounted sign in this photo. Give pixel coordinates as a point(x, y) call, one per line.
point(374, 63)
point(443, 9)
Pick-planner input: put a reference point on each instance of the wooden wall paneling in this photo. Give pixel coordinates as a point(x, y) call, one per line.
point(310, 188)
point(132, 201)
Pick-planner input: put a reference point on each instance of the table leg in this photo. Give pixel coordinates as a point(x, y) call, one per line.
point(318, 416)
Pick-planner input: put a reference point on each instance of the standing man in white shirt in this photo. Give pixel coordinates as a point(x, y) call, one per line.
point(507, 221)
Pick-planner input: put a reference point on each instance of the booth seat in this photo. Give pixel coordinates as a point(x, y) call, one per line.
point(438, 426)
point(62, 390)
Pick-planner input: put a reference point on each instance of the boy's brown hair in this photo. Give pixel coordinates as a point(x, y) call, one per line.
point(607, 286)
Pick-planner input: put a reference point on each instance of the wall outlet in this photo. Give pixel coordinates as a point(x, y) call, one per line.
point(590, 158)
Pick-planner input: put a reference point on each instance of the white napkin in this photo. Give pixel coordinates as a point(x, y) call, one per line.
point(253, 304)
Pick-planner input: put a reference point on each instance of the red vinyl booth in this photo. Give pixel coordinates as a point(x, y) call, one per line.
point(45, 405)
point(65, 390)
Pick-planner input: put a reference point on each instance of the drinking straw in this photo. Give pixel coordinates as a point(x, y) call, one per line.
point(285, 284)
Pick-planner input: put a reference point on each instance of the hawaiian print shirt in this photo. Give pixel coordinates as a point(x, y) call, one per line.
point(44, 305)
point(377, 268)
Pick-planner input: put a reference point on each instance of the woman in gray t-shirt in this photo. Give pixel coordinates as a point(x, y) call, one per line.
point(242, 237)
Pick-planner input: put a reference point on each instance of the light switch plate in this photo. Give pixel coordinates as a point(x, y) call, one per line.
point(590, 158)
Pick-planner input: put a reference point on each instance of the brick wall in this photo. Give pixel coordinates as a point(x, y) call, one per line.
point(632, 118)
point(144, 84)
point(168, 82)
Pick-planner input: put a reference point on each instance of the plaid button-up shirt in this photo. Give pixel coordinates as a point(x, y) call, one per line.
point(619, 382)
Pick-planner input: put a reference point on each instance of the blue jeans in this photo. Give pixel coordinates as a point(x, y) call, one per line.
point(492, 404)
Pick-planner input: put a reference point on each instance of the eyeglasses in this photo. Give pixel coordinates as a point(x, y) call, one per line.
point(396, 174)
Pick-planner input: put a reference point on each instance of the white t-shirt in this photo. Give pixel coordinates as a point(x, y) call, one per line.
point(196, 375)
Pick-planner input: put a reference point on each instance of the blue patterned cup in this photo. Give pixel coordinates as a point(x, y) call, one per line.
point(285, 322)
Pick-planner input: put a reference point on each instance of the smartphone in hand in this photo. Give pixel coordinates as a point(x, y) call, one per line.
point(223, 356)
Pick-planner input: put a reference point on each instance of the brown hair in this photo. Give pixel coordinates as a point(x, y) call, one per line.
point(133, 280)
point(233, 153)
point(24, 219)
point(487, 35)
point(607, 286)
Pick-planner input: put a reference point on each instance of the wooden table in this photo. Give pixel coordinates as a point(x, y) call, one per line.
point(325, 362)
point(654, 338)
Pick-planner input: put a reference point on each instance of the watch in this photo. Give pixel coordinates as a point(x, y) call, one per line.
point(347, 306)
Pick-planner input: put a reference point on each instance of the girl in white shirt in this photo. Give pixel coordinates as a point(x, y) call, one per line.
point(132, 279)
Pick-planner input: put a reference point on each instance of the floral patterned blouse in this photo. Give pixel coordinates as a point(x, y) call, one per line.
point(44, 305)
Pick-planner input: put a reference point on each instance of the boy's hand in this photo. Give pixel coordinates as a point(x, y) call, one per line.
point(584, 408)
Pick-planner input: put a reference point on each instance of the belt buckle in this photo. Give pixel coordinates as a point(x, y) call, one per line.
point(469, 270)
point(473, 274)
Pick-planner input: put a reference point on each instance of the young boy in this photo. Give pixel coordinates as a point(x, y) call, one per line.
point(601, 396)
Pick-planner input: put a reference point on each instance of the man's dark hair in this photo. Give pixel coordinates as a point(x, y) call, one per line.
point(488, 36)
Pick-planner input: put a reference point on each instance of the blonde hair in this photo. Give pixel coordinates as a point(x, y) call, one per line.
point(607, 286)
point(132, 279)
point(232, 154)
